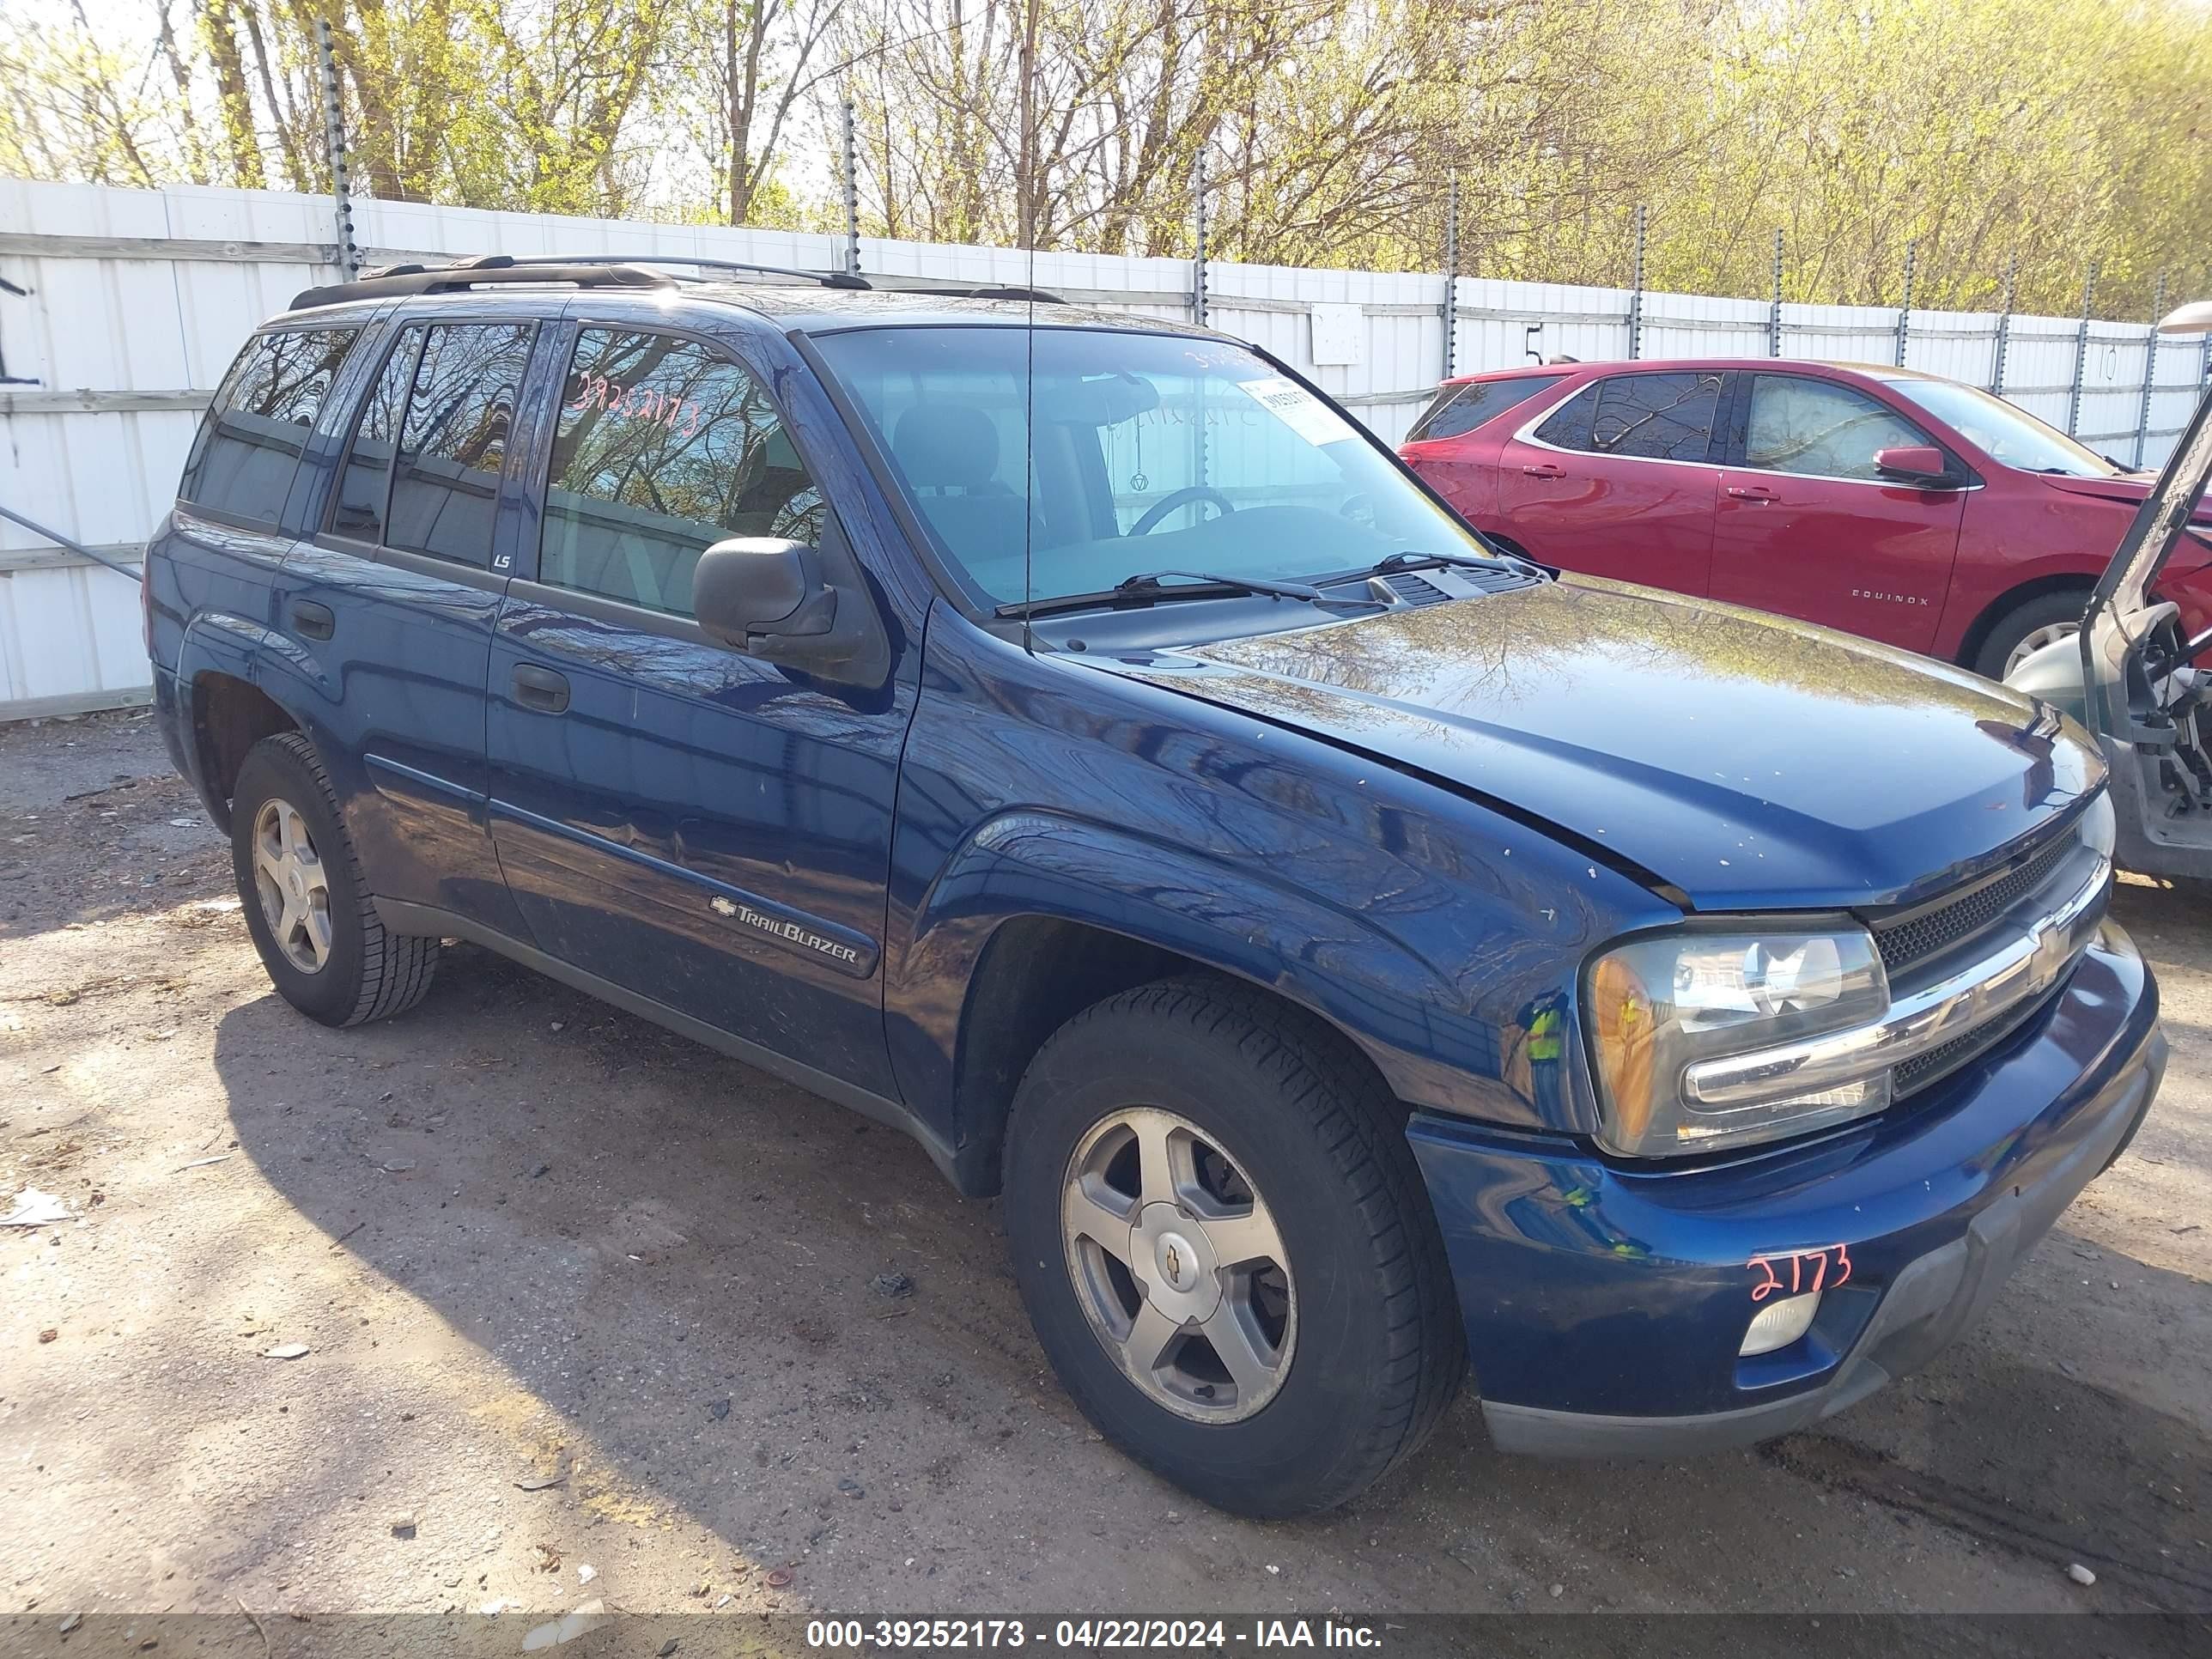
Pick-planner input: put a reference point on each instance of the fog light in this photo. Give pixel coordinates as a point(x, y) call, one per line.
point(1778, 1324)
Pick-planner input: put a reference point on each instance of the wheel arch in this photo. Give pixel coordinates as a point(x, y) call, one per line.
point(1017, 1000)
point(1979, 631)
point(1081, 929)
point(229, 715)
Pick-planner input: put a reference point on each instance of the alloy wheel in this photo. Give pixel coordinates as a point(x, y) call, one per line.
point(2035, 639)
point(1179, 1266)
point(294, 888)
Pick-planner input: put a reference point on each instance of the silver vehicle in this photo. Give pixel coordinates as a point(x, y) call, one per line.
point(2135, 680)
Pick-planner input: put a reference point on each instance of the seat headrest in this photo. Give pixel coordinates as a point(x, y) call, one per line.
point(941, 444)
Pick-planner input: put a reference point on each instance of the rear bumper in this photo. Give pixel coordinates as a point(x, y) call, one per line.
point(1604, 1307)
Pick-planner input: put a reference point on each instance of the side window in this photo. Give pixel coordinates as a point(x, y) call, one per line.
point(1462, 409)
point(664, 448)
point(1799, 424)
point(453, 440)
point(1568, 427)
point(1660, 417)
point(249, 447)
point(365, 487)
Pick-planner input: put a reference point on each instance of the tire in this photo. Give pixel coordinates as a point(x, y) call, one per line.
point(1371, 1350)
point(336, 962)
point(2062, 609)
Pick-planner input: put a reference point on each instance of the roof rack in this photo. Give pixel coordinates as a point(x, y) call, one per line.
point(827, 278)
point(392, 281)
point(1037, 296)
point(585, 270)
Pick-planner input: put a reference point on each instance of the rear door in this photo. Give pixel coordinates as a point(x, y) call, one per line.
point(693, 826)
point(1454, 443)
point(1808, 527)
point(1619, 480)
point(389, 607)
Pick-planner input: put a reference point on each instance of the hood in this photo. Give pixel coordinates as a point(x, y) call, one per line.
point(1745, 760)
point(2121, 492)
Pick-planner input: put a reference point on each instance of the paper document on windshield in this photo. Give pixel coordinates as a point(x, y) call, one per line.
point(1297, 409)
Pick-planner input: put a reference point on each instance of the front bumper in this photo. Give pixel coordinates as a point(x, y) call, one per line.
point(1605, 1305)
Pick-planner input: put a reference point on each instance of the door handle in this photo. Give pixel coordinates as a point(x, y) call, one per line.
point(1751, 492)
point(316, 622)
point(541, 689)
point(1544, 470)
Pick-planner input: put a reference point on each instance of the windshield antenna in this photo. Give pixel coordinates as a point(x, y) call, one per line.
point(1027, 211)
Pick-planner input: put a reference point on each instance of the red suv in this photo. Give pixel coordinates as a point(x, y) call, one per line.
point(1904, 507)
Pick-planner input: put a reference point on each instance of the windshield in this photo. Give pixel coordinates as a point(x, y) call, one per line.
point(1151, 453)
point(2008, 436)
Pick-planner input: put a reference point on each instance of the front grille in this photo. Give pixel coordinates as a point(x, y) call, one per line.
point(1923, 1069)
point(1918, 950)
point(1915, 940)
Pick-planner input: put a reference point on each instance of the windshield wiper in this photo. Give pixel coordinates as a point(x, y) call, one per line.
point(1411, 561)
point(1152, 587)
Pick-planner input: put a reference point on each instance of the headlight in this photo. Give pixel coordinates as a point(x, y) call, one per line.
point(1657, 1006)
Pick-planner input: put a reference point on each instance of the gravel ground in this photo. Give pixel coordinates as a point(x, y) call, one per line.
point(588, 1311)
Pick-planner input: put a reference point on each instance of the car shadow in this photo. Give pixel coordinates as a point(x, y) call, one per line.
point(682, 1265)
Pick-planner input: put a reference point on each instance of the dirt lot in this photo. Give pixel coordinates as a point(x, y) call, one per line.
point(524, 1237)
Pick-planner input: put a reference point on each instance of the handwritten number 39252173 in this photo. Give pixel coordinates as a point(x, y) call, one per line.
point(1799, 1273)
point(639, 403)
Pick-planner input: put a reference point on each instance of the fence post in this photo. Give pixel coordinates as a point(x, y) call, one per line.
point(1774, 311)
point(2150, 366)
point(334, 142)
point(2004, 328)
point(1905, 311)
point(852, 195)
point(1198, 241)
point(1451, 273)
point(1636, 292)
point(2081, 351)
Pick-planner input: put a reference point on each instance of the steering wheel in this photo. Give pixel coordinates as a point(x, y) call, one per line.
point(1183, 497)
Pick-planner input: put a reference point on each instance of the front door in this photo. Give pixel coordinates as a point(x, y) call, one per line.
point(1616, 482)
point(699, 827)
point(1808, 526)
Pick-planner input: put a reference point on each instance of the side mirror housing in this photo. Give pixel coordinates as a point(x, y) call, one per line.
point(1914, 464)
point(2194, 317)
point(771, 599)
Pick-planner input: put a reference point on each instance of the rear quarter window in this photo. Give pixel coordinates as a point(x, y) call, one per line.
point(1459, 409)
point(248, 449)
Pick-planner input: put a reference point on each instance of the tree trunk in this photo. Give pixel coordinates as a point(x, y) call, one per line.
point(220, 34)
point(195, 154)
point(1025, 191)
point(738, 192)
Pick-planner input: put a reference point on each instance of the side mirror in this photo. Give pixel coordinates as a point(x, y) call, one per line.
point(1914, 464)
point(2194, 317)
point(770, 598)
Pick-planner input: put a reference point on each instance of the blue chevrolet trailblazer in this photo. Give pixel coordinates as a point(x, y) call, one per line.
point(1359, 961)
